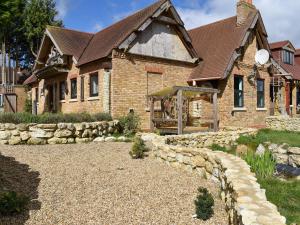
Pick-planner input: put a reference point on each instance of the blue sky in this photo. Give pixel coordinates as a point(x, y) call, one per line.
point(280, 16)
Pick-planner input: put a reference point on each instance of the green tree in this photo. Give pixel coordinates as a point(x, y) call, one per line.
point(38, 14)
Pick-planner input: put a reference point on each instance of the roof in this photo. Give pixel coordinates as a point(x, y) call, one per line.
point(216, 44)
point(279, 44)
point(106, 40)
point(70, 42)
point(297, 53)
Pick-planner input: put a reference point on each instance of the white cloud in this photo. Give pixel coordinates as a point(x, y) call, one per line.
point(97, 27)
point(62, 7)
point(280, 17)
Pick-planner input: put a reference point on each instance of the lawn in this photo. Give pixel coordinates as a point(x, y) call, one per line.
point(285, 195)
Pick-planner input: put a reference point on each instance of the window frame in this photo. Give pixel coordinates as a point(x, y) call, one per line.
point(260, 94)
point(62, 93)
point(288, 57)
point(239, 92)
point(94, 75)
point(72, 94)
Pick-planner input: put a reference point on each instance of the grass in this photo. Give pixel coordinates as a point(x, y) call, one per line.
point(266, 135)
point(47, 118)
point(285, 195)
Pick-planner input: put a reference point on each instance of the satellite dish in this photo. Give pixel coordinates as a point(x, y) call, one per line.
point(262, 57)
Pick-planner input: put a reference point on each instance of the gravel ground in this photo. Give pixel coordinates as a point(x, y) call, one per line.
point(101, 184)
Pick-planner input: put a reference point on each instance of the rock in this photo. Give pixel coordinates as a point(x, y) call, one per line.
point(36, 141)
point(56, 140)
point(22, 127)
point(79, 126)
point(3, 142)
point(71, 140)
point(78, 133)
point(110, 139)
point(280, 150)
point(14, 141)
point(241, 150)
point(49, 127)
point(95, 132)
point(198, 161)
point(71, 127)
point(281, 158)
point(294, 150)
point(272, 147)
point(260, 150)
point(40, 133)
point(294, 160)
point(99, 139)
point(122, 139)
point(4, 135)
point(87, 133)
point(24, 135)
point(209, 167)
point(10, 126)
point(62, 126)
point(63, 133)
point(15, 133)
point(82, 140)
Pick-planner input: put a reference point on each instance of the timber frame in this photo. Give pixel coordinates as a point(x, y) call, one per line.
point(179, 91)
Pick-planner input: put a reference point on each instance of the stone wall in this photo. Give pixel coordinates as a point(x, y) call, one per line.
point(61, 133)
point(246, 202)
point(283, 123)
point(225, 137)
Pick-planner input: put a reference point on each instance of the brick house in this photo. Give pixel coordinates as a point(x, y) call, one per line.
point(288, 57)
point(115, 69)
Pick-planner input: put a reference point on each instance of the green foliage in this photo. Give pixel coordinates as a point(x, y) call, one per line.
point(204, 204)
point(216, 147)
point(263, 166)
point(285, 195)
point(138, 149)
point(28, 105)
point(11, 203)
point(130, 124)
point(47, 118)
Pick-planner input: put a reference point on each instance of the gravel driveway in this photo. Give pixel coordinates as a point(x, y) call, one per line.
point(101, 184)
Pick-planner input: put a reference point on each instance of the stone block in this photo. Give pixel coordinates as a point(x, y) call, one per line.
point(87, 133)
point(64, 133)
point(99, 139)
point(14, 140)
point(56, 140)
point(198, 161)
point(24, 135)
point(36, 141)
point(50, 127)
point(294, 160)
point(15, 133)
point(23, 127)
point(294, 150)
point(40, 133)
point(71, 140)
point(82, 140)
point(4, 135)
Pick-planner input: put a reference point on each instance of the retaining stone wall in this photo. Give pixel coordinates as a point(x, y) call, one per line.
point(246, 202)
point(283, 123)
point(61, 133)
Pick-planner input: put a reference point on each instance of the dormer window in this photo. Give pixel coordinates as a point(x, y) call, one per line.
point(288, 57)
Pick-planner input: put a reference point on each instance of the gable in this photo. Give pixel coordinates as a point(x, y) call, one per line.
point(162, 41)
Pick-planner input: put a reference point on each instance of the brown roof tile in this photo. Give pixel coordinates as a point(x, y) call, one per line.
point(70, 42)
point(106, 40)
point(278, 44)
point(216, 43)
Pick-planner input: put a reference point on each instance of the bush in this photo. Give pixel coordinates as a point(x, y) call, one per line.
point(204, 204)
point(28, 106)
point(53, 118)
point(11, 202)
point(130, 124)
point(216, 147)
point(263, 166)
point(138, 149)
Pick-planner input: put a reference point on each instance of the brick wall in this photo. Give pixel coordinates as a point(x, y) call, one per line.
point(129, 82)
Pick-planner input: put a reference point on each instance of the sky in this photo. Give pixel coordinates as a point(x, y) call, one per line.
point(280, 16)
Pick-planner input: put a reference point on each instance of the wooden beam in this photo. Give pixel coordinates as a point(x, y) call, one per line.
point(180, 111)
point(215, 111)
point(167, 20)
point(152, 114)
point(196, 89)
point(128, 41)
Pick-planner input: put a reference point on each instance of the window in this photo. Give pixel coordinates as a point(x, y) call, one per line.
point(74, 88)
point(260, 93)
point(1, 100)
point(94, 85)
point(288, 57)
point(62, 90)
point(238, 92)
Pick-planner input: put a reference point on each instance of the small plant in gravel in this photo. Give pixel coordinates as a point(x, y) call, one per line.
point(138, 149)
point(216, 147)
point(11, 203)
point(130, 124)
point(204, 204)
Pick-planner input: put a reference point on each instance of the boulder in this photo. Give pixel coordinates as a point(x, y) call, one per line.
point(49, 127)
point(122, 139)
point(82, 140)
point(79, 126)
point(36, 141)
point(62, 126)
point(40, 133)
point(198, 161)
point(10, 126)
point(71, 127)
point(294, 160)
point(3, 142)
point(241, 150)
point(64, 133)
point(14, 140)
point(110, 139)
point(56, 140)
point(281, 158)
point(87, 133)
point(24, 135)
point(260, 150)
point(99, 139)
point(294, 150)
point(15, 133)
point(22, 127)
point(71, 140)
point(4, 135)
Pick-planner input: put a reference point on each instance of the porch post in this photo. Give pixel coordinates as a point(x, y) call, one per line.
point(151, 114)
point(179, 108)
point(215, 111)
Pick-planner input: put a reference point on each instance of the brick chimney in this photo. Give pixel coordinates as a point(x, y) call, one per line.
point(244, 7)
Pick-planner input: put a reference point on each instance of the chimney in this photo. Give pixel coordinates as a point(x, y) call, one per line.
point(244, 8)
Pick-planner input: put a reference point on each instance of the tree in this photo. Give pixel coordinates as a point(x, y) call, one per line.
point(38, 14)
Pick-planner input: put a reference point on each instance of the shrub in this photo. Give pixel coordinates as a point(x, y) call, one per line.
point(138, 149)
point(11, 202)
point(28, 105)
point(216, 147)
point(204, 204)
point(130, 124)
point(263, 166)
point(102, 117)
